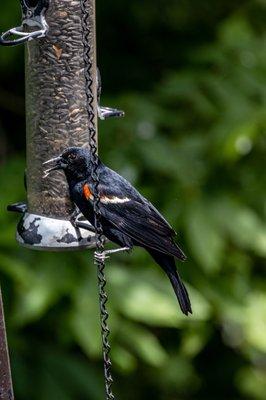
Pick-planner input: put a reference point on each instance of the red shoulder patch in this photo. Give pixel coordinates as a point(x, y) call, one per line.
point(87, 192)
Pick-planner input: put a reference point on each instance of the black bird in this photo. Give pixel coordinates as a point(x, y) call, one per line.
point(128, 218)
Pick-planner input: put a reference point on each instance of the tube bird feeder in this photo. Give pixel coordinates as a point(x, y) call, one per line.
point(56, 115)
point(56, 118)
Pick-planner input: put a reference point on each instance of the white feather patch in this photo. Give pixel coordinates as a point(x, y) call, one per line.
point(114, 200)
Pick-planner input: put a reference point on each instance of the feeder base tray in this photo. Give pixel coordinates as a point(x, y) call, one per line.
point(42, 233)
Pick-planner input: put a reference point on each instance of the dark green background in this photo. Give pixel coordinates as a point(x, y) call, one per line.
point(191, 76)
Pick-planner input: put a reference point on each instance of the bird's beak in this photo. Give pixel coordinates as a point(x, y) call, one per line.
point(57, 163)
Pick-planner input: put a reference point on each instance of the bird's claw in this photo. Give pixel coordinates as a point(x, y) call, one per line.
point(100, 256)
point(79, 222)
point(74, 217)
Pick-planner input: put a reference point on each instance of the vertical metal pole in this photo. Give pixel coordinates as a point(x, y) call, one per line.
point(6, 389)
point(56, 118)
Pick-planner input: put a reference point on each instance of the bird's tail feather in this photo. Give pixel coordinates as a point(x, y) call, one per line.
point(168, 265)
point(181, 292)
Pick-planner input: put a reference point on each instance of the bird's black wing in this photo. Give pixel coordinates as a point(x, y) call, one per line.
point(131, 220)
point(133, 215)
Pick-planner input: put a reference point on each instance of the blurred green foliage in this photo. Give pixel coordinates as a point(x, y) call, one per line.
point(192, 79)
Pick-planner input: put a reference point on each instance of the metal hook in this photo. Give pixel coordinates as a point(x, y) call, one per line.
point(33, 12)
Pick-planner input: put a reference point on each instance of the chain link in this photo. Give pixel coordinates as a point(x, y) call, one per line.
point(88, 36)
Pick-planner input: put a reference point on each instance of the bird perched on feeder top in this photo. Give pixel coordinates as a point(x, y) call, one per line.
point(127, 218)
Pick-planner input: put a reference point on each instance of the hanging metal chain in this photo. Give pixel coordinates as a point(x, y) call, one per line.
point(103, 298)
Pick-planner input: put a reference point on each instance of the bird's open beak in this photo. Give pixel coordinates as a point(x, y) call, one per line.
point(57, 163)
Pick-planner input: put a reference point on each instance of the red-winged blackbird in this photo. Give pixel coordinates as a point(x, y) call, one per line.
point(127, 218)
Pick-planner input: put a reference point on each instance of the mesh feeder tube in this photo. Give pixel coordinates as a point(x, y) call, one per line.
point(56, 118)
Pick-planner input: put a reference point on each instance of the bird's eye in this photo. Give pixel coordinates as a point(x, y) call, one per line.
point(72, 156)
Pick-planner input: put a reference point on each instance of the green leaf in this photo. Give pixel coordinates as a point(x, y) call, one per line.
point(144, 344)
point(204, 236)
point(254, 321)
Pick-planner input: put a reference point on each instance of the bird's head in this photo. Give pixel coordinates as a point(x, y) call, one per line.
point(75, 161)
